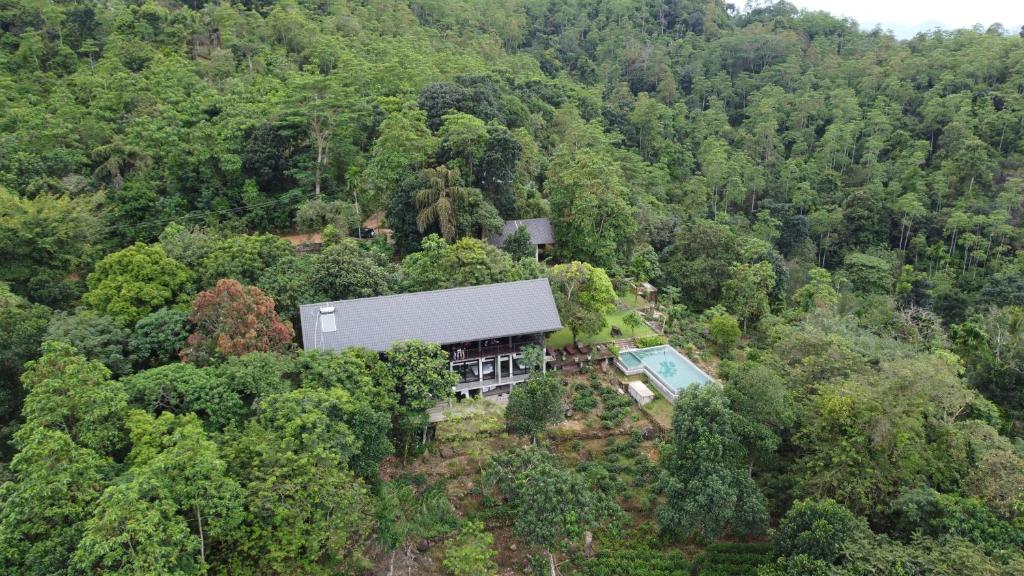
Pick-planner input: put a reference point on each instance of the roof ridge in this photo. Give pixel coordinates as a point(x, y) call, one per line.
point(437, 291)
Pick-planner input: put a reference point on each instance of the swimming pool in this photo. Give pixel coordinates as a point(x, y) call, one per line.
point(670, 371)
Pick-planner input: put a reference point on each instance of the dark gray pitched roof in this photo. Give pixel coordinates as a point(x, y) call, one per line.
point(438, 316)
point(539, 228)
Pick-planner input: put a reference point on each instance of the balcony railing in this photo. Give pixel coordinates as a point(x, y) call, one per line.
point(472, 350)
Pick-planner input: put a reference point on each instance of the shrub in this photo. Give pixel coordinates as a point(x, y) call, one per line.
point(648, 341)
point(584, 400)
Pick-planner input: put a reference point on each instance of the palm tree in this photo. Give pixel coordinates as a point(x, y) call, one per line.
point(116, 159)
point(436, 202)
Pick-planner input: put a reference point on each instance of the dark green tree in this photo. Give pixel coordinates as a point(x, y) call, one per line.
point(709, 487)
point(535, 404)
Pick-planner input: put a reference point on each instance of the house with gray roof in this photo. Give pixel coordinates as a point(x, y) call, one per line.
point(483, 328)
point(541, 234)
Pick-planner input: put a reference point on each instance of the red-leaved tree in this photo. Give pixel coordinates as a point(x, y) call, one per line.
point(232, 320)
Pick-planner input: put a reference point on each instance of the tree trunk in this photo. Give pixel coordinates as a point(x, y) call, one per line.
point(551, 563)
point(202, 538)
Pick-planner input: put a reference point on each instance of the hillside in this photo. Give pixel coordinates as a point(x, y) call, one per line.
point(831, 220)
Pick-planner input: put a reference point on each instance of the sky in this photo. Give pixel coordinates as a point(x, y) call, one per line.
point(908, 17)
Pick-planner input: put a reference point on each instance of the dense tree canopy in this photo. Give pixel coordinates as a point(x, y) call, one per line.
point(832, 218)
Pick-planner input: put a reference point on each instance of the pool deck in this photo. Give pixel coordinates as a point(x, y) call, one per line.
point(663, 387)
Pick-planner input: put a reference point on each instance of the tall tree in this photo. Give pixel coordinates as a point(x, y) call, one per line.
point(232, 320)
point(54, 487)
point(69, 393)
point(439, 199)
point(551, 506)
point(589, 211)
point(709, 488)
point(584, 296)
point(133, 282)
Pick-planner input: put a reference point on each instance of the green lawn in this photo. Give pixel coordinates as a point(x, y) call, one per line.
point(564, 336)
point(661, 409)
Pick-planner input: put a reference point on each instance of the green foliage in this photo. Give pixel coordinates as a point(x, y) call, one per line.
point(818, 293)
point(645, 266)
point(404, 143)
point(69, 393)
point(590, 215)
point(290, 282)
point(731, 559)
point(183, 389)
point(615, 407)
point(519, 244)
point(698, 262)
point(724, 330)
point(346, 270)
point(816, 529)
point(636, 561)
point(46, 238)
point(316, 214)
point(409, 511)
point(648, 341)
point(584, 296)
point(551, 506)
point(633, 320)
point(421, 377)
point(869, 274)
point(95, 336)
point(303, 511)
point(708, 487)
point(685, 143)
point(54, 488)
point(129, 284)
point(747, 290)
point(22, 326)
point(471, 553)
point(535, 404)
point(242, 258)
point(843, 448)
point(467, 262)
point(158, 336)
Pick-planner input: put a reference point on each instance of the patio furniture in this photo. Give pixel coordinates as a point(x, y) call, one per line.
point(571, 349)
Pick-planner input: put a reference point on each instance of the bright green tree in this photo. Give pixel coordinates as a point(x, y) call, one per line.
point(818, 293)
point(746, 291)
point(69, 393)
point(724, 330)
point(584, 296)
point(52, 491)
point(632, 320)
point(304, 511)
point(243, 258)
point(404, 143)
point(133, 282)
point(471, 552)
point(422, 378)
point(463, 138)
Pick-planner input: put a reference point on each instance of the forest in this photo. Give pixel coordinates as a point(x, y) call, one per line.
point(832, 218)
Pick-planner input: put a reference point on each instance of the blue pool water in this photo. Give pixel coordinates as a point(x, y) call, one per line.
point(666, 365)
